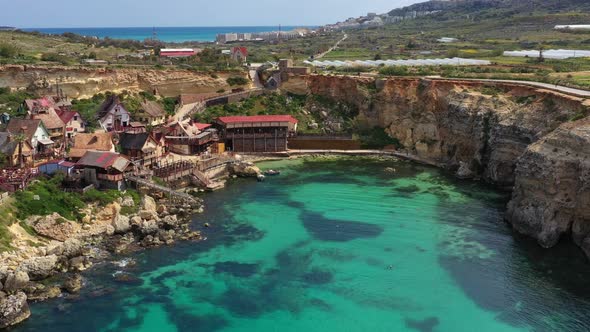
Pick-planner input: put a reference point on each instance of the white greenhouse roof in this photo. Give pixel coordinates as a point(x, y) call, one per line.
point(419, 62)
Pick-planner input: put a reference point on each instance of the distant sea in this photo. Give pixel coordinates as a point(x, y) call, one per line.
point(168, 34)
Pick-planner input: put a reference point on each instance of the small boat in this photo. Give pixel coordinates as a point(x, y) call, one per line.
point(260, 178)
point(272, 172)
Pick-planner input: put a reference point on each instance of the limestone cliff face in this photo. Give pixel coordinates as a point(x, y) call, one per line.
point(508, 135)
point(455, 123)
point(81, 82)
point(551, 196)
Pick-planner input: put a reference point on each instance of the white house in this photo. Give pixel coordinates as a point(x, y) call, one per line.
point(73, 121)
point(112, 115)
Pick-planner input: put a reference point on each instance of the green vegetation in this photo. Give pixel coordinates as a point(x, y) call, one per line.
point(8, 50)
point(236, 80)
point(52, 199)
point(10, 102)
point(7, 218)
point(260, 105)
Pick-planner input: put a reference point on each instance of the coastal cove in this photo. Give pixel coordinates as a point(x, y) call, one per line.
point(351, 244)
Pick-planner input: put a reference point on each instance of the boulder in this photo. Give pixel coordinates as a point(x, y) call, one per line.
point(147, 214)
point(79, 264)
point(136, 221)
point(70, 248)
point(16, 281)
point(56, 227)
point(42, 293)
point(39, 267)
point(149, 204)
point(109, 230)
point(149, 227)
point(110, 212)
point(73, 284)
point(127, 201)
point(121, 224)
point(170, 221)
point(13, 310)
point(245, 169)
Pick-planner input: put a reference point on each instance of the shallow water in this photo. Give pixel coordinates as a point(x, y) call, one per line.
point(339, 246)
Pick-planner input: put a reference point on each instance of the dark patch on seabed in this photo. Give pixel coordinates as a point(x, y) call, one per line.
point(424, 325)
point(236, 269)
point(318, 277)
point(326, 229)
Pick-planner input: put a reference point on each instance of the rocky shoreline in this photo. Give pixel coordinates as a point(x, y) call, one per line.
point(42, 272)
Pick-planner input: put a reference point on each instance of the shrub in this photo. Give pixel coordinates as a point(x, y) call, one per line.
point(8, 50)
point(236, 80)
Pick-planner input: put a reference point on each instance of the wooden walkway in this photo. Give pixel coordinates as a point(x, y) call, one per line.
point(160, 188)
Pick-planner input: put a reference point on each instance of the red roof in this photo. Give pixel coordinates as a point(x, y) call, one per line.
point(202, 126)
point(241, 49)
point(66, 116)
point(257, 118)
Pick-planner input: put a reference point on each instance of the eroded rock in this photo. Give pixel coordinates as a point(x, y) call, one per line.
point(13, 310)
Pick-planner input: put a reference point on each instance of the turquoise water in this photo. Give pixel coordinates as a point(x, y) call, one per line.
point(339, 246)
point(167, 34)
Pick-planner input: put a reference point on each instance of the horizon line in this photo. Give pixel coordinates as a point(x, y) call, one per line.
point(181, 26)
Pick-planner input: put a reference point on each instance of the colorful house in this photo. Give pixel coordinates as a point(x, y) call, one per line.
point(91, 142)
point(140, 146)
point(104, 169)
point(74, 123)
point(112, 115)
point(35, 133)
point(239, 54)
point(151, 113)
point(11, 152)
point(185, 138)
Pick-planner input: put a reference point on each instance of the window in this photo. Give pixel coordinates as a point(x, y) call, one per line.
point(75, 118)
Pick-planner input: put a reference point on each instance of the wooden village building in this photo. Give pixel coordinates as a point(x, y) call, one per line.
point(46, 109)
point(112, 115)
point(13, 155)
point(85, 142)
point(73, 122)
point(35, 133)
point(142, 147)
point(104, 170)
point(151, 113)
point(261, 133)
point(185, 138)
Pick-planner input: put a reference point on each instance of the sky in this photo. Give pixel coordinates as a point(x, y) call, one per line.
point(162, 13)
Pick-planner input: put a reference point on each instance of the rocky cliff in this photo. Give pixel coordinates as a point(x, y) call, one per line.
point(506, 134)
point(81, 82)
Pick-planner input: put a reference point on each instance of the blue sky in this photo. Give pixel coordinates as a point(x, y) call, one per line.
point(135, 13)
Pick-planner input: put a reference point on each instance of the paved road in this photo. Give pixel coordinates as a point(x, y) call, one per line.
point(559, 88)
point(554, 87)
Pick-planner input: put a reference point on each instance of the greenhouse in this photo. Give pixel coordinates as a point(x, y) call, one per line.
point(418, 62)
point(549, 54)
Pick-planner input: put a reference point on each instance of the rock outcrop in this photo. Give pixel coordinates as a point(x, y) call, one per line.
point(507, 134)
point(551, 196)
point(56, 227)
point(84, 82)
point(244, 169)
point(39, 268)
point(13, 310)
